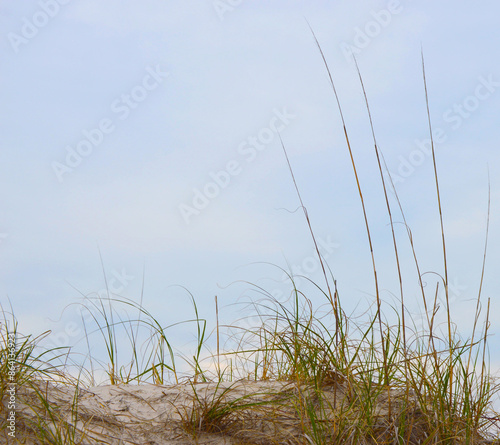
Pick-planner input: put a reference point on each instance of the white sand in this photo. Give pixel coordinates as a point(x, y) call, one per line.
point(152, 414)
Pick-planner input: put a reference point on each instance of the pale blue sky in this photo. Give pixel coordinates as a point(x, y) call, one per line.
point(185, 90)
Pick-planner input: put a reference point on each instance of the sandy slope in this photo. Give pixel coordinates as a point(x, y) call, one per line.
point(151, 414)
point(246, 413)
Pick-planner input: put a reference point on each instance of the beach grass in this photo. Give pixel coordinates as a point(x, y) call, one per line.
point(298, 376)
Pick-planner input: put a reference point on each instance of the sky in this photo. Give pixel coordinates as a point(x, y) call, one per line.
point(140, 143)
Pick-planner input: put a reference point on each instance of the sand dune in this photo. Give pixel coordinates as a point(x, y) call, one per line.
point(153, 414)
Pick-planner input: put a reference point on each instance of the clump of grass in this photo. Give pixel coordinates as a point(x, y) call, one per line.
point(221, 412)
point(20, 359)
point(155, 359)
point(25, 370)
